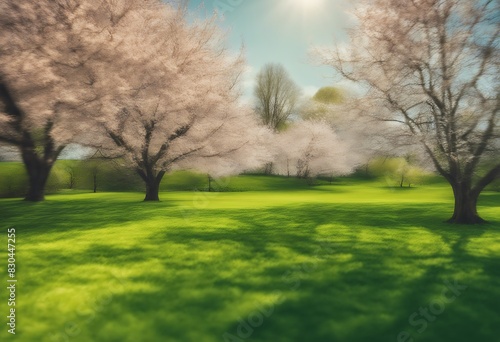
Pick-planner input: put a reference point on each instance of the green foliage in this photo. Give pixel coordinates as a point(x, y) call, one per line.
point(184, 181)
point(398, 171)
point(495, 186)
point(13, 179)
point(320, 108)
point(57, 179)
point(338, 263)
point(329, 95)
point(110, 176)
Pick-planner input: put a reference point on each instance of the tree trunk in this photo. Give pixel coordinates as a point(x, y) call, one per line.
point(465, 211)
point(152, 192)
point(95, 181)
point(71, 179)
point(153, 186)
point(209, 183)
point(38, 170)
point(268, 169)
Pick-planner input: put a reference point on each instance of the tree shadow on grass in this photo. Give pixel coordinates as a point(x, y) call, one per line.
point(80, 215)
point(345, 272)
point(373, 299)
point(364, 286)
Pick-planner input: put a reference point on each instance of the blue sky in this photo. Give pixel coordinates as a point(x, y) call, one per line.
point(281, 31)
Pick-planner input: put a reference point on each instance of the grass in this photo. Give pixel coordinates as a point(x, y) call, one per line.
point(345, 262)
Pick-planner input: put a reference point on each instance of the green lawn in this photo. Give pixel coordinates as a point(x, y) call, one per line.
point(345, 262)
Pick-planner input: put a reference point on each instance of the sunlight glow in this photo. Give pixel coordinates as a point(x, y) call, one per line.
point(307, 5)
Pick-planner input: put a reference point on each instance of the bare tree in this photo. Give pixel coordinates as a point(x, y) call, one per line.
point(432, 68)
point(95, 163)
point(277, 96)
point(70, 171)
